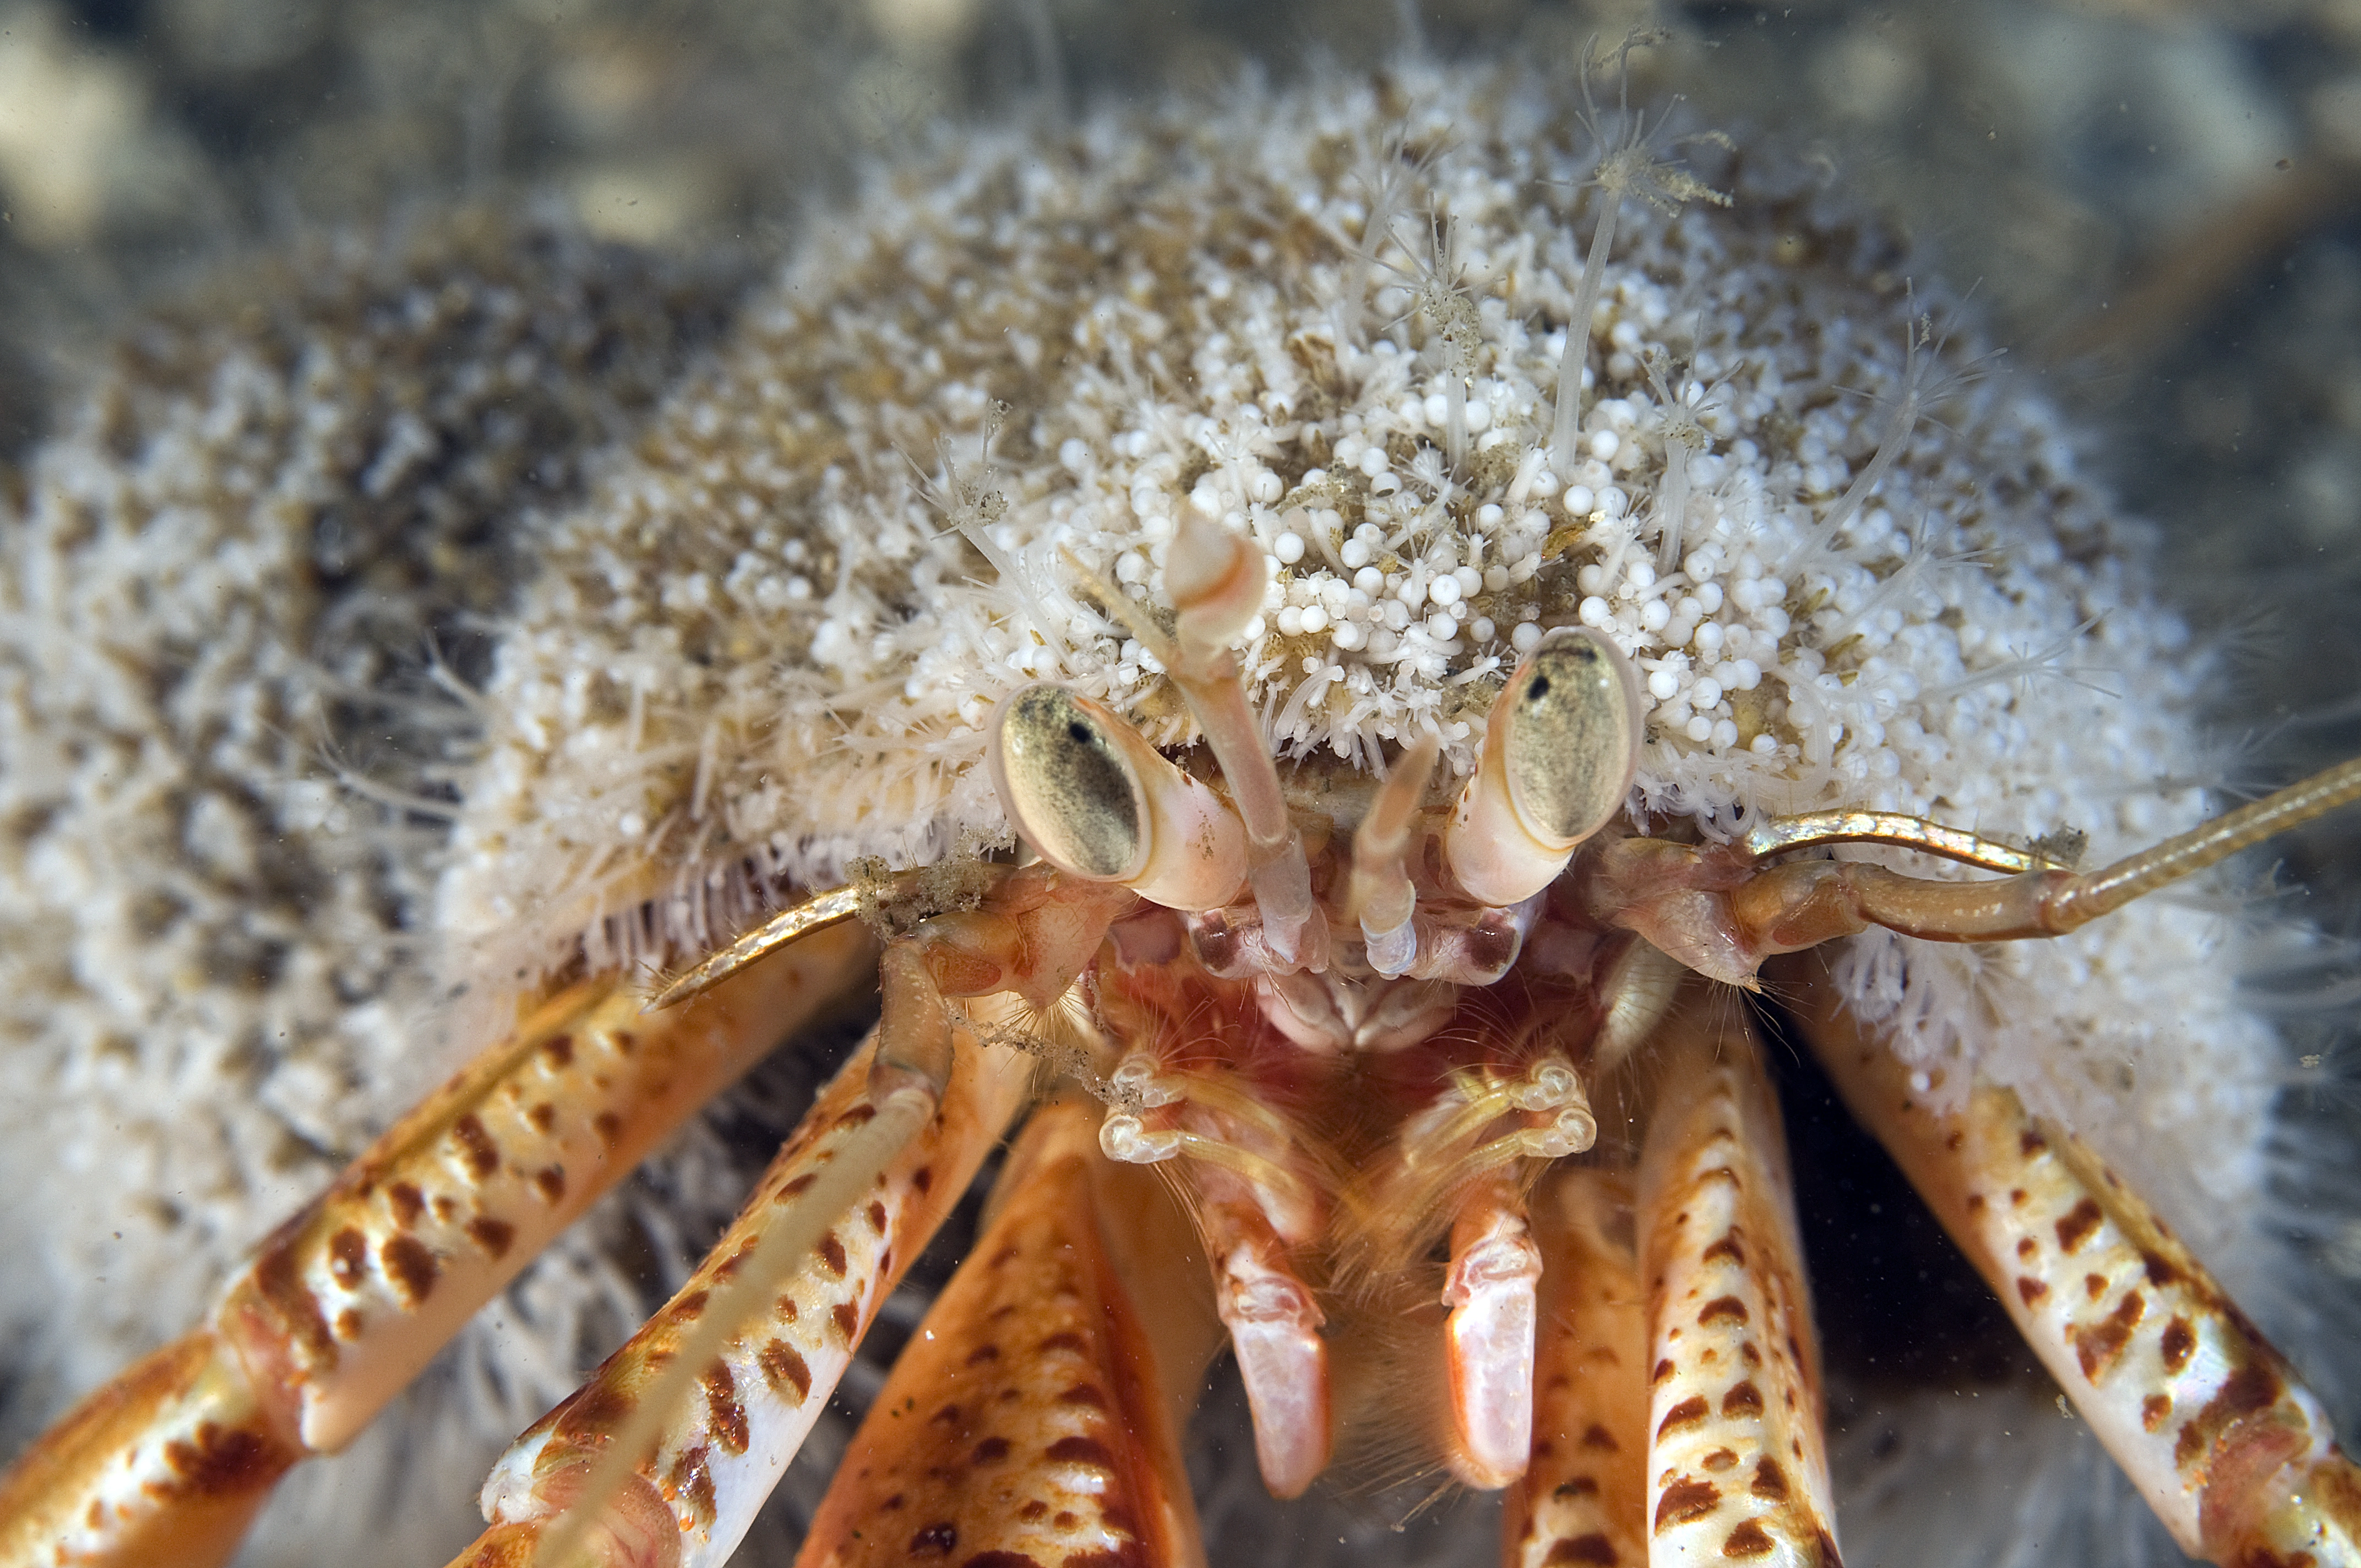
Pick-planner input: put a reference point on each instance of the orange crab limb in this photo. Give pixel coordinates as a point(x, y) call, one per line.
point(166, 1465)
point(1583, 1501)
point(717, 1455)
point(2229, 1449)
point(344, 1304)
point(1489, 1337)
point(1035, 1418)
point(1274, 1325)
point(1737, 1461)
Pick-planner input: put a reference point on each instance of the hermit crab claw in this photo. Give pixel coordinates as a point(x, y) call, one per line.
point(1099, 802)
point(1560, 749)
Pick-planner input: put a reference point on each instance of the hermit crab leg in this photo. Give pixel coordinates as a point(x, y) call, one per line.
point(1274, 1323)
point(1583, 1499)
point(923, 1101)
point(344, 1304)
point(2235, 1455)
point(1737, 1460)
point(1488, 1336)
point(690, 1490)
point(1036, 1416)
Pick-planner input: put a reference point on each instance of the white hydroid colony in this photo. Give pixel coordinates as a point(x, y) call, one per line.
point(1334, 318)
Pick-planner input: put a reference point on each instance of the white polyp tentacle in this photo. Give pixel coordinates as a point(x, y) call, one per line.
point(1566, 426)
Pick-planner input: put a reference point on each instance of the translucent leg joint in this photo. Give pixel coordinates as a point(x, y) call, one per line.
point(1390, 952)
point(914, 1038)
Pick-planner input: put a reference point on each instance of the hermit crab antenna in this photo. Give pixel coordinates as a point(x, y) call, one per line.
point(1786, 908)
point(1380, 893)
point(1214, 580)
point(2107, 890)
point(838, 904)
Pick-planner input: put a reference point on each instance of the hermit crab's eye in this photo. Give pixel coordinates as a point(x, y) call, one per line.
point(1560, 749)
point(1573, 737)
point(1097, 801)
point(1065, 782)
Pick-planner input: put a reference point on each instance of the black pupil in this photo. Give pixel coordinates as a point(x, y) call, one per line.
point(1537, 688)
point(1077, 732)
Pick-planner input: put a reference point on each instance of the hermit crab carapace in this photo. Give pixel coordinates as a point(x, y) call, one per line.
point(1280, 476)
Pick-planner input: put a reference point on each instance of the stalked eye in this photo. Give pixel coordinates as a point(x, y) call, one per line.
point(1573, 737)
point(1560, 747)
point(1063, 775)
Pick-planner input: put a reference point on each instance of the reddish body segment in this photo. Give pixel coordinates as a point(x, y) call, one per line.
point(2232, 1452)
point(1737, 1461)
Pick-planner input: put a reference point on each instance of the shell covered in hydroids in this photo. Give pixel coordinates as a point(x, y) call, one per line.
point(756, 638)
point(1333, 318)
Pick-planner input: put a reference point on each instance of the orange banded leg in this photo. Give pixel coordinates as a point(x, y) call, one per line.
point(718, 1454)
point(2235, 1455)
point(1036, 1416)
point(1737, 1459)
point(1583, 1501)
point(342, 1305)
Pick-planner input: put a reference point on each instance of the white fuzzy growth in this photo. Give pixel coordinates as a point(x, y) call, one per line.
point(1159, 306)
point(218, 581)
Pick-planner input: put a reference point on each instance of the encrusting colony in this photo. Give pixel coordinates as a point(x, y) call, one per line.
point(1334, 319)
point(767, 646)
point(219, 587)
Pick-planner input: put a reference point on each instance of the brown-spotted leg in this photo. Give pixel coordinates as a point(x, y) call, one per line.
point(345, 1303)
point(1737, 1459)
point(1036, 1416)
point(2229, 1449)
point(1583, 1499)
point(717, 1455)
point(637, 1461)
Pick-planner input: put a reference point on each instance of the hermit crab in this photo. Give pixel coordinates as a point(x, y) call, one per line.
point(1322, 645)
